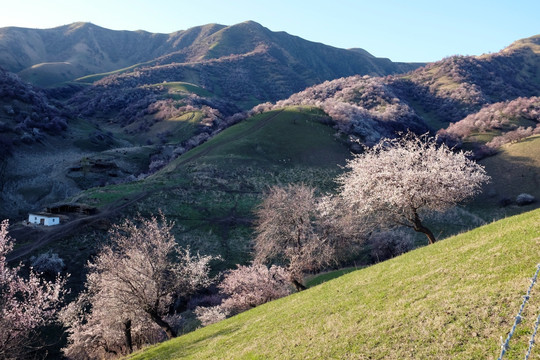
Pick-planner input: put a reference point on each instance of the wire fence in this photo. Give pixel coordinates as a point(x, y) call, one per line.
point(505, 345)
point(531, 342)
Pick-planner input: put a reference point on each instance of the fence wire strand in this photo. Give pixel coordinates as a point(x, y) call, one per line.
point(531, 342)
point(517, 321)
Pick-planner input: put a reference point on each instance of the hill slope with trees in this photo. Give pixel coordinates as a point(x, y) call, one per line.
point(454, 299)
point(432, 96)
point(175, 134)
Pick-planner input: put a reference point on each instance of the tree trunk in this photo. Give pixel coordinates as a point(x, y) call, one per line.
point(162, 324)
point(418, 226)
point(298, 285)
point(127, 334)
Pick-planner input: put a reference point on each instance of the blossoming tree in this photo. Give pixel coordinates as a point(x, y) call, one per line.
point(26, 303)
point(398, 179)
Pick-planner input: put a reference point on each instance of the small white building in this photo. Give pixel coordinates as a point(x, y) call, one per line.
point(43, 219)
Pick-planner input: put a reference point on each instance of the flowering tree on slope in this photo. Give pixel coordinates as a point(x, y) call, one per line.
point(249, 286)
point(398, 179)
point(25, 303)
point(131, 287)
point(286, 232)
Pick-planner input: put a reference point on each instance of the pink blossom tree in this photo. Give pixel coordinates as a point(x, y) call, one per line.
point(25, 303)
point(341, 229)
point(101, 327)
point(287, 232)
point(131, 287)
point(398, 179)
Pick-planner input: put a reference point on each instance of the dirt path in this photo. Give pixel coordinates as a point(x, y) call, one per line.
point(43, 237)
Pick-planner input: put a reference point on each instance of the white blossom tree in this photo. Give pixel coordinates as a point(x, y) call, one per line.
point(287, 234)
point(99, 327)
point(131, 287)
point(398, 179)
point(340, 228)
point(26, 303)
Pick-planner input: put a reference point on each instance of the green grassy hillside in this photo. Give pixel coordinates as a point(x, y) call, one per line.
point(284, 138)
point(451, 300)
point(270, 145)
point(211, 190)
point(515, 169)
point(89, 79)
point(46, 74)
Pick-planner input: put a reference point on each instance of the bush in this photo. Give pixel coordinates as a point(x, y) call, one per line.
point(525, 199)
point(27, 138)
point(210, 315)
point(250, 286)
point(505, 201)
point(48, 263)
point(388, 244)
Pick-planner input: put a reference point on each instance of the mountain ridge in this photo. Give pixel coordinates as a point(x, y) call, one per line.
point(90, 49)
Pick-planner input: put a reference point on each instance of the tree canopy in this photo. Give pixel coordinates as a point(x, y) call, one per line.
point(131, 287)
point(398, 179)
point(26, 303)
point(287, 232)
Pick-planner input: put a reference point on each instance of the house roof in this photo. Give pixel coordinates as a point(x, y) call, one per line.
point(44, 214)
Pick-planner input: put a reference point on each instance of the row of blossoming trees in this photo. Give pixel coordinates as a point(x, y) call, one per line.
point(136, 283)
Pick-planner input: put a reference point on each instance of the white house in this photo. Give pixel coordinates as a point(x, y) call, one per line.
point(43, 219)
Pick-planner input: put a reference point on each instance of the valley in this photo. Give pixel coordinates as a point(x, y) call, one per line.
point(102, 125)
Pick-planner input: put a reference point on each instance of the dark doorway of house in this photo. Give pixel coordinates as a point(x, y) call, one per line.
point(41, 221)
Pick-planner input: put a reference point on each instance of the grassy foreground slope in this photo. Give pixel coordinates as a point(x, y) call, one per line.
point(451, 300)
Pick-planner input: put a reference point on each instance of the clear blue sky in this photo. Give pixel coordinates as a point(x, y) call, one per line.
point(402, 30)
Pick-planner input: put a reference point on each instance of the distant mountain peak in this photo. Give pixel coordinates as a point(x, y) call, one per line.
point(80, 25)
point(251, 23)
point(361, 51)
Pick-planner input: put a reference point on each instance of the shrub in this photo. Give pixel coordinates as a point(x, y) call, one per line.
point(210, 315)
point(388, 244)
point(27, 138)
point(250, 286)
point(525, 199)
point(48, 263)
point(505, 201)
